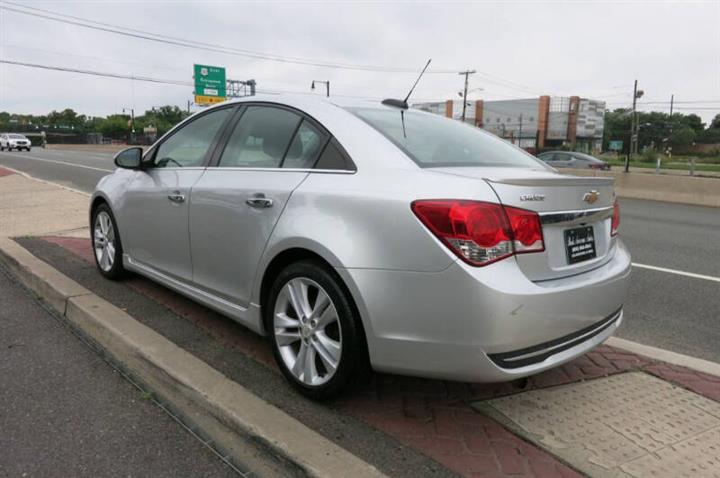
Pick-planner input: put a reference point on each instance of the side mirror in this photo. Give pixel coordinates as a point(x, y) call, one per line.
point(129, 158)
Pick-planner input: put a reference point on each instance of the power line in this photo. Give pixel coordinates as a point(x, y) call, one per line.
point(149, 36)
point(98, 73)
point(164, 80)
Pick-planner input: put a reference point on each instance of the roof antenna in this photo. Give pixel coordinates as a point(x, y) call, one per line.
point(403, 103)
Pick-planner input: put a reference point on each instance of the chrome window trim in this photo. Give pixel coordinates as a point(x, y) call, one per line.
point(279, 170)
point(288, 170)
point(576, 217)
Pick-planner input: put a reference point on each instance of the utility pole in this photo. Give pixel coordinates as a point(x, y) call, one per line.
point(672, 100)
point(520, 133)
point(467, 73)
point(669, 149)
point(327, 86)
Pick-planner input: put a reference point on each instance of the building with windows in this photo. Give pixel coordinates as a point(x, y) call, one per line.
point(533, 123)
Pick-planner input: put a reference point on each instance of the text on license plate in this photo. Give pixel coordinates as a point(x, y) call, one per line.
point(580, 244)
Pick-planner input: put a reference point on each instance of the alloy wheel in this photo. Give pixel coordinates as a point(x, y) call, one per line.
point(104, 241)
point(307, 331)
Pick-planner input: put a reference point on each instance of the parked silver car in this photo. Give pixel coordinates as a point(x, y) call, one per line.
point(363, 234)
point(573, 159)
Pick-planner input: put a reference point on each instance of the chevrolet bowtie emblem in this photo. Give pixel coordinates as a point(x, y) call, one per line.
point(591, 196)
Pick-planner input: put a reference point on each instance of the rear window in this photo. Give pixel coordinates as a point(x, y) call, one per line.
point(435, 141)
point(587, 157)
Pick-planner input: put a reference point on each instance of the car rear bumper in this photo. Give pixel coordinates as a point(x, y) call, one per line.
point(486, 324)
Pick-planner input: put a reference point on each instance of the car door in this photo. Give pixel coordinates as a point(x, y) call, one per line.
point(237, 202)
point(154, 212)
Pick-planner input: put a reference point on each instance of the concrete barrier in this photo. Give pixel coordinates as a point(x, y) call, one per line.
point(94, 148)
point(658, 187)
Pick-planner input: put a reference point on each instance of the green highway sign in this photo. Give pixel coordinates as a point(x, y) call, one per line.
point(615, 145)
point(209, 84)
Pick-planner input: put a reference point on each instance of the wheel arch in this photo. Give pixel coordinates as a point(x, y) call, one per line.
point(95, 201)
point(294, 254)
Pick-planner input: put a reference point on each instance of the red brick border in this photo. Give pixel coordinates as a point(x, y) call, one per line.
point(434, 416)
point(6, 172)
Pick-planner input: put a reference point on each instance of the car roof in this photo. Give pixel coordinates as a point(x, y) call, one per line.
point(301, 101)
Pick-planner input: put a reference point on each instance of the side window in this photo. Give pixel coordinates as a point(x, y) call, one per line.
point(260, 138)
point(332, 158)
point(188, 146)
point(304, 148)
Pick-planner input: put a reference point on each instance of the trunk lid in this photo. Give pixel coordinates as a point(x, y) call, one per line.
point(564, 203)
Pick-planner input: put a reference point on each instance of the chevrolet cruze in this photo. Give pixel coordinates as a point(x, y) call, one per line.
point(358, 235)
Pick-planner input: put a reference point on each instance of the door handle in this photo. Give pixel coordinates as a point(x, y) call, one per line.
point(176, 197)
point(259, 200)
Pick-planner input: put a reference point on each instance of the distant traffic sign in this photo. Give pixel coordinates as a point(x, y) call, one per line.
point(209, 84)
point(615, 145)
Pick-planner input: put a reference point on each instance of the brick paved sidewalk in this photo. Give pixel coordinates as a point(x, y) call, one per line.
point(432, 416)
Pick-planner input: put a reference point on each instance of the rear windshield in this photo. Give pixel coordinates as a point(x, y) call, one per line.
point(434, 141)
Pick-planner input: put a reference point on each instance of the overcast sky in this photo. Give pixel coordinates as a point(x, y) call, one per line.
point(519, 49)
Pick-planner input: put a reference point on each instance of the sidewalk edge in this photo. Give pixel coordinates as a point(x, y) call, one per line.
point(240, 422)
point(699, 365)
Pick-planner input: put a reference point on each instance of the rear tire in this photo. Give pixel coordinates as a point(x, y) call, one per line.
point(107, 247)
point(319, 348)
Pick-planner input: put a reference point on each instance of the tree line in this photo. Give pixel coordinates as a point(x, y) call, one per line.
point(658, 131)
point(117, 126)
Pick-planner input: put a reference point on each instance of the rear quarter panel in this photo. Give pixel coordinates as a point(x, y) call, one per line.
point(363, 220)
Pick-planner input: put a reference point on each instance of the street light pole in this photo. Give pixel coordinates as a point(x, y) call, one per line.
point(132, 118)
point(327, 86)
point(467, 73)
point(634, 127)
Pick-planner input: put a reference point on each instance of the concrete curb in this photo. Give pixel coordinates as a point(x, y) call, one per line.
point(250, 430)
point(699, 365)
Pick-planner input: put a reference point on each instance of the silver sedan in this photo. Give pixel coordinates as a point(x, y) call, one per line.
point(365, 236)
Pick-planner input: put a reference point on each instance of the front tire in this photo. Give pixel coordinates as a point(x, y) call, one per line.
point(315, 330)
point(107, 247)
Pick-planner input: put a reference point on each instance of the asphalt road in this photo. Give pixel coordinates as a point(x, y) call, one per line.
point(65, 412)
point(78, 170)
point(664, 309)
point(668, 310)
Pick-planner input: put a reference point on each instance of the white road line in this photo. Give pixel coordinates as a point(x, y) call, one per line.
point(673, 271)
point(65, 163)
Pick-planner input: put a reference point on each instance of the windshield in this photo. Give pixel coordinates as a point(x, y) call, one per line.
point(16, 136)
point(434, 141)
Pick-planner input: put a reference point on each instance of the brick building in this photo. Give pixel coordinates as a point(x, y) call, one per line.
point(534, 123)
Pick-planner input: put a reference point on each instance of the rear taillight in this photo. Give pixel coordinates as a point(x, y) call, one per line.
point(479, 232)
point(615, 219)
